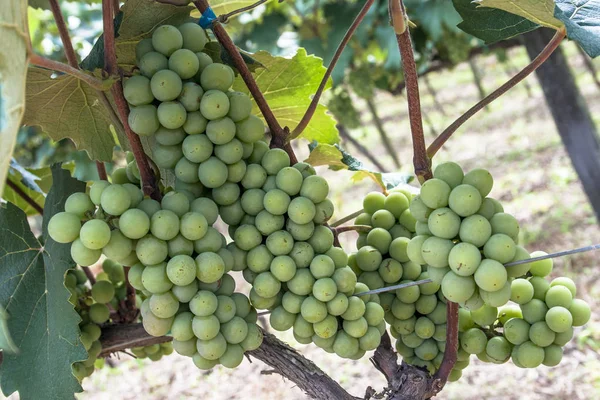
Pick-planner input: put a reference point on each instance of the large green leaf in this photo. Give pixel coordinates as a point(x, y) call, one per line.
point(338, 159)
point(43, 323)
point(65, 107)
point(13, 69)
point(540, 12)
point(489, 24)
point(22, 181)
point(582, 20)
point(288, 85)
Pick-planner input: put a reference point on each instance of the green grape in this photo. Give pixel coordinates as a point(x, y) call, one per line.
point(144, 46)
point(541, 268)
point(500, 248)
point(181, 270)
point(259, 259)
point(444, 223)
point(166, 39)
point(473, 341)
point(411, 270)
point(323, 211)
point(275, 160)
point(96, 190)
point(406, 326)
point(426, 303)
point(521, 291)
point(230, 152)
point(345, 279)
point(217, 76)
point(152, 62)
point(227, 194)
point(255, 177)
point(134, 223)
point(64, 227)
point(254, 338)
point(195, 123)
point(356, 328)
point(491, 275)
point(143, 120)
point(206, 207)
point(155, 279)
point(212, 172)
point(402, 310)
point(197, 148)
point(194, 37)
point(412, 340)
point(79, 204)
point(205, 60)
point(281, 320)
point(324, 289)
point(506, 224)
point(437, 274)
point(465, 319)
point(487, 208)
point(562, 338)
point(292, 302)
point(119, 176)
point(212, 349)
point(266, 285)
point(326, 328)
point(373, 314)
point(356, 309)
point(396, 203)
point(481, 179)
point(380, 239)
point(497, 298)
point(373, 201)
point(435, 193)
point(529, 355)
point(240, 106)
point(464, 259)
point(115, 200)
point(398, 249)
point(558, 296)
point(368, 258)
point(225, 309)
point(485, 316)
point(302, 282)
point(322, 266)
point(135, 194)
point(199, 361)
point(465, 200)
point(235, 331)
point(552, 355)
point(280, 243)
point(166, 85)
point(424, 328)
point(559, 319)
point(185, 293)
point(498, 349)
point(345, 346)
point(182, 327)
point(516, 271)
point(276, 202)
point(82, 255)
point(210, 267)
point(249, 130)
point(408, 294)
point(382, 219)
point(185, 63)
point(99, 313)
point(408, 220)
point(214, 105)
point(313, 310)
point(171, 114)
point(164, 225)
point(449, 172)
point(190, 96)
point(166, 156)
point(580, 310)
point(419, 210)
point(302, 253)
point(118, 247)
point(133, 172)
point(414, 247)
point(300, 210)
point(338, 305)
point(534, 311)
point(236, 171)
point(315, 188)
point(283, 268)
point(475, 230)
point(436, 251)
point(300, 232)
point(247, 237)
point(164, 305)
point(427, 350)
point(233, 356)
point(565, 282)
point(516, 331)
point(457, 288)
point(220, 131)
point(137, 91)
point(541, 335)
point(103, 292)
point(186, 171)
point(151, 250)
point(204, 303)
point(540, 287)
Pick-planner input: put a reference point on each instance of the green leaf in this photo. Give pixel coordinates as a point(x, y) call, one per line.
point(338, 159)
point(7, 344)
point(540, 12)
point(227, 6)
point(13, 70)
point(288, 85)
point(42, 321)
point(19, 179)
point(65, 107)
point(490, 25)
point(582, 20)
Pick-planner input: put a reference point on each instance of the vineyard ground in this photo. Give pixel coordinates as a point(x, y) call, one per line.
point(516, 140)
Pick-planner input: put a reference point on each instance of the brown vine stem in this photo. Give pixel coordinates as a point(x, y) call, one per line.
point(278, 133)
point(350, 228)
point(89, 274)
point(420, 160)
point(315, 100)
point(101, 171)
point(25, 196)
point(347, 218)
point(441, 376)
point(44, 62)
point(539, 60)
point(149, 181)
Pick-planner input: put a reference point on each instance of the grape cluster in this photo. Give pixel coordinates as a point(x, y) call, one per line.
point(202, 130)
point(381, 259)
point(92, 304)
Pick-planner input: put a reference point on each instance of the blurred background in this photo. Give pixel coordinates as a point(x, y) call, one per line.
point(540, 142)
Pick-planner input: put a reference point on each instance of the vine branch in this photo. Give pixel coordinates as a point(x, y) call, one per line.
point(539, 60)
point(315, 100)
point(450, 355)
point(25, 196)
point(420, 160)
point(350, 228)
point(347, 218)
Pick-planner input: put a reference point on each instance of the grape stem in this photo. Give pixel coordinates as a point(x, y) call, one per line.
point(101, 171)
point(539, 60)
point(149, 181)
point(441, 376)
point(89, 274)
point(555, 255)
point(24, 196)
point(277, 132)
point(421, 162)
point(347, 218)
point(357, 228)
point(315, 100)
point(224, 17)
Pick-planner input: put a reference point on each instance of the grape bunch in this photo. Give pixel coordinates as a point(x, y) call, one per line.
point(202, 130)
point(92, 303)
point(342, 107)
point(153, 352)
point(381, 259)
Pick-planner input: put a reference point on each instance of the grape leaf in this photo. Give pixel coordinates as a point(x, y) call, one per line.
point(339, 159)
point(227, 6)
point(489, 24)
point(540, 12)
point(65, 107)
point(42, 321)
point(13, 67)
point(582, 20)
point(19, 179)
point(288, 85)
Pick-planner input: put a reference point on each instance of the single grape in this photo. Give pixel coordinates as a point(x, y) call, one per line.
point(95, 234)
point(506, 224)
point(164, 305)
point(220, 131)
point(396, 203)
point(315, 188)
point(99, 313)
point(143, 120)
point(559, 319)
point(166, 156)
point(435, 193)
point(283, 268)
point(580, 310)
point(185, 63)
point(491, 275)
point(64, 227)
point(166, 39)
point(214, 104)
point(217, 76)
point(137, 91)
point(541, 268)
point(152, 62)
point(558, 296)
point(230, 152)
point(481, 179)
point(457, 288)
point(473, 341)
point(144, 46)
point(475, 230)
point(419, 210)
point(464, 259)
point(541, 335)
point(171, 114)
point(373, 201)
point(521, 291)
point(151, 250)
point(383, 219)
point(529, 355)
point(444, 223)
point(465, 200)
point(449, 172)
point(166, 85)
point(436, 251)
